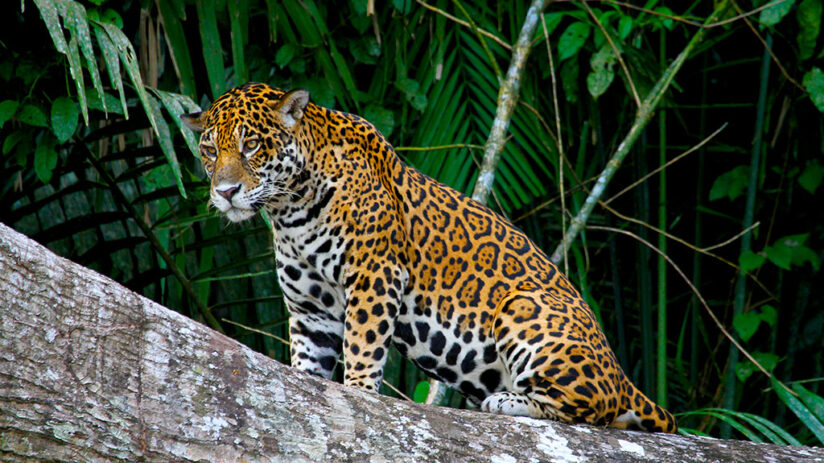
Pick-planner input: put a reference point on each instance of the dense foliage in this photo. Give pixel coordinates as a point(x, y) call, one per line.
point(96, 166)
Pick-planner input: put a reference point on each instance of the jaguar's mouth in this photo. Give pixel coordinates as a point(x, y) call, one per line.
point(237, 214)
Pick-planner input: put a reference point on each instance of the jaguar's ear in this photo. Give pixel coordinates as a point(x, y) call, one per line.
point(291, 107)
point(194, 121)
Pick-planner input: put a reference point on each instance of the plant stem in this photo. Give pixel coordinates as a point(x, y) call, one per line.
point(661, 348)
point(746, 239)
point(642, 118)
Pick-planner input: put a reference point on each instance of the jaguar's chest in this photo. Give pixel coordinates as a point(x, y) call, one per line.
point(309, 266)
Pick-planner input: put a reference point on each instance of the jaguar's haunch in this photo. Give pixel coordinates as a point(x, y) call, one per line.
point(372, 252)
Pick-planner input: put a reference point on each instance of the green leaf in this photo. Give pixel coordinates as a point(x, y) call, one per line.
point(768, 314)
point(285, 54)
point(178, 47)
point(94, 102)
point(624, 27)
point(767, 360)
point(13, 139)
point(572, 39)
point(814, 402)
point(814, 84)
point(342, 66)
point(45, 159)
point(74, 19)
point(48, 11)
point(802, 255)
point(811, 178)
point(51, 11)
point(413, 94)
point(801, 411)
point(164, 138)
point(212, 52)
point(569, 81)
point(33, 115)
point(403, 6)
point(421, 392)
point(366, 50)
point(7, 110)
point(112, 17)
point(599, 80)
point(749, 261)
point(746, 324)
point(809, 25)
point(791, 250)
point(174, 103)
point(239, 22)
point(382, 118)
point(772, 15)
point(113, 68)
point(64, 114)
point(730, 184)
point(666, 21)
point(150, 105)
point(779, 255)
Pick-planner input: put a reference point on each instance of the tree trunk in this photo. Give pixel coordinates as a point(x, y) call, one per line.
point(90, 371)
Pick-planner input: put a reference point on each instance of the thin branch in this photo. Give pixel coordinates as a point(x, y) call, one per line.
point(681, 19)
point(733, 238)
point(670, 162)
point(742, 15)
point(558, 140)
point(464, 23)
point(689, 245)
point(768, 49)
point(489, 55)
point(698, 296)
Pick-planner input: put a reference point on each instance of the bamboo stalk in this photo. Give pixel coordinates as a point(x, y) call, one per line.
point(642, 118)
point(749, 214)
point(661, 334)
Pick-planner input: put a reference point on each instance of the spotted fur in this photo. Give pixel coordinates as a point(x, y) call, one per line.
point(371, 252)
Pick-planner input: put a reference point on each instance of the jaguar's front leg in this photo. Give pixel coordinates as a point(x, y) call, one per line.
point(315, 342)
point(373, 298)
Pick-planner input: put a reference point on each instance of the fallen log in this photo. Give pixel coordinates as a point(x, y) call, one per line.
point(91, 371)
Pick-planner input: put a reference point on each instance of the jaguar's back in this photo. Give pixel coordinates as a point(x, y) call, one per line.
point(371, 251)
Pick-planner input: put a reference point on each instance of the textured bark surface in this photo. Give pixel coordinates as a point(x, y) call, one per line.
point(90, 371)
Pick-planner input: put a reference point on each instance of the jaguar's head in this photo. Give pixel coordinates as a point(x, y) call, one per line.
point(249, 147)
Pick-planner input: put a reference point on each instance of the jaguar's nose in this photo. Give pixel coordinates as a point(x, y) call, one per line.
point(227, 191)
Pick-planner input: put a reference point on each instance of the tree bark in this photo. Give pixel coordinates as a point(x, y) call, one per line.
point(90, 371)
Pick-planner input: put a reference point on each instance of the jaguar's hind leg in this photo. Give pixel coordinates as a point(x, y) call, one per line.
point(558, 362)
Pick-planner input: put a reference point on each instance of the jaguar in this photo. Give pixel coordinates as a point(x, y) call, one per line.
point(371, 253)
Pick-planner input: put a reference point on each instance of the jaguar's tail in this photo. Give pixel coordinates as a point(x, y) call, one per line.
point(639, 412)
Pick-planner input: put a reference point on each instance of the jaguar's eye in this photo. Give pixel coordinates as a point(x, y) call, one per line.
point(250, 145)
point(210, 151)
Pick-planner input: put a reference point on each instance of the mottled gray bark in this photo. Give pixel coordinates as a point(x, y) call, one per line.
point(90, 371)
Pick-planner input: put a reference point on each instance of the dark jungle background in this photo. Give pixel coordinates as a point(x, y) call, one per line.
point(96, 166)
